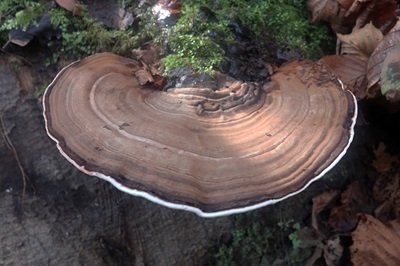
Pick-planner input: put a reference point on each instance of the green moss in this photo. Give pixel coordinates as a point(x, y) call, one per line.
point(76, 36)
point(83, 35)
point(283, 23)
point(19, 14)
point(199, 39)
point(31, 13)
point(195, 40)
point(256, 241)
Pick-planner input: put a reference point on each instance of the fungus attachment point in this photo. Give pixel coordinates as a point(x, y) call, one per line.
point(210, 151)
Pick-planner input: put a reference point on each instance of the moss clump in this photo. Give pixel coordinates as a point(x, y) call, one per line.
point(283, 21)
point(76, 36)
point(204, 28)
point(30, 13)
point(196, 40)
point(261, 242)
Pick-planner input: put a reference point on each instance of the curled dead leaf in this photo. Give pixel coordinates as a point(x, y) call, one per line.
point(381, 52)
point(376, 243)
point(386, 191)
point(333, 251)
point(345, 15)
point(350, 70)
point(319, 203)
point(329, 11)
point(354, 194)
point(383, 14)
point(353, 200)
point(148, 55)
point(383, 161)
point(390, 75)
point(361, 42)
point(144, 76)
point(346, 4)
point(342, 219)
point(70, 5)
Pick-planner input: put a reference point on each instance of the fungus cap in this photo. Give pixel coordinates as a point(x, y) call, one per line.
point(210, 151)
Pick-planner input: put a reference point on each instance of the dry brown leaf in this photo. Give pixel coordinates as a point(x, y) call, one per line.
point(315, 257)
point(362, 42)
point(383, 12)
point(322, 10)
point(350, 70)
point(333, 251)
point(354, 193)
point(144, 76)
point(386, 189)
point(346, 4)
point(383, 161)
point(70, 5)
point(356, 7)
point(390, 75)
point(149, 55)
point(319, 204)
point(345, 15)
point(330, 11)
point(353, 200)
point(383, 50)
point(342, 219)
point(386, 192)
point(376, 243)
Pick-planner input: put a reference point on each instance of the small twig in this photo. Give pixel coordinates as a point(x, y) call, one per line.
point(11, 147)
point(5, 45)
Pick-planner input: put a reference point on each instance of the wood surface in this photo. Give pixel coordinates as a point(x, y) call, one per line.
point(213, 151)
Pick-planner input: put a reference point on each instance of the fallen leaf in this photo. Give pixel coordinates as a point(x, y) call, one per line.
point(350, 70)
point(354, 194)
point(376, 243)
point(333, 251)
point(383, 12)
point(159, 82)
point(386, 192)
point(148, 55)
point(342, 219)
point(353, 200)
point(319, 204)
point(381, 52)
point(315, 257)
point(383, 161)
point(144, 76)
point(360, 43)
point(329, 11)
point(70, 5)
point(390, 75)
point(347, 15)
point(386, 189)
point(346, 4)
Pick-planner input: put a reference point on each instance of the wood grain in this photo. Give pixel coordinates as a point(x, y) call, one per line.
point(230, 149)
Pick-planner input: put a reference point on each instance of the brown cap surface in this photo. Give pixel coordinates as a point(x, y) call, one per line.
point(213, 152)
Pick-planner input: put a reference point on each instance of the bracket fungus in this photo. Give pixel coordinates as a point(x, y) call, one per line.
point(210, 151)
